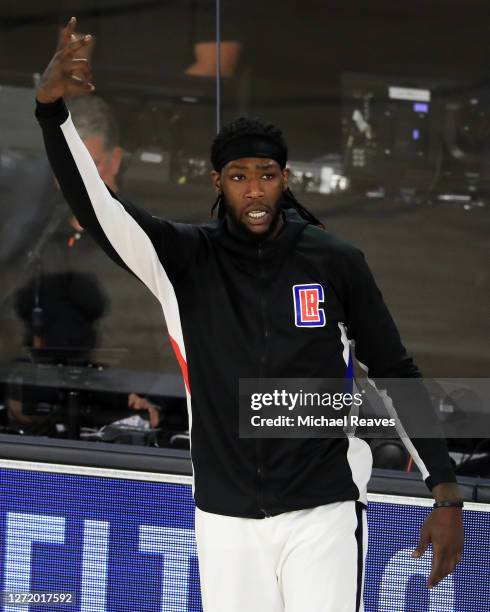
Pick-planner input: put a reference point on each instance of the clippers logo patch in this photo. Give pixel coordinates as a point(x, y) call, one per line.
point(307, 300)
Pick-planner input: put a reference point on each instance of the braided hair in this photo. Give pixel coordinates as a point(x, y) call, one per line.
point(245, 126)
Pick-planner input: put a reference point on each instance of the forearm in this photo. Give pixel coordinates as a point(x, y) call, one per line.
point(396, 377)
point(419, 427)
point(125, 232)
point(447, 491)
point(69, 176)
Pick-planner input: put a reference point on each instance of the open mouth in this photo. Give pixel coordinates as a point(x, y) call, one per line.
point(257, 216)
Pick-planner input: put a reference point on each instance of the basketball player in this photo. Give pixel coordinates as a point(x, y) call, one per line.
point(280, 523)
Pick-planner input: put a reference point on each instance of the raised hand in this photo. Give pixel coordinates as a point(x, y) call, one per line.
point(68, 73)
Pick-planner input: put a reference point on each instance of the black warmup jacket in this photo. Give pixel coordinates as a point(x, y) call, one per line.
point(229, 308)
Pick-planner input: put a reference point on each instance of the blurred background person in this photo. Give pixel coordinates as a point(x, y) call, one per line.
point(99, 131)
point(59, 312)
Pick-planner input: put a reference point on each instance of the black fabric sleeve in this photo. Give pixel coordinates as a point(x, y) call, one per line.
point(380, 351)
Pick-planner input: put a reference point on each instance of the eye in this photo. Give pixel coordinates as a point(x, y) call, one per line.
point(237, 176)
point(269, 176)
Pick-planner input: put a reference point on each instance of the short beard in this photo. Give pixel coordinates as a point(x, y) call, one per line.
point(240, 229)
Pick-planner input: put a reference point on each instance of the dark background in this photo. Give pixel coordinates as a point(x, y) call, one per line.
point(430, 258)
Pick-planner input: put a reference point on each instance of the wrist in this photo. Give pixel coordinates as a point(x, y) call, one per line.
point(42, 98)
point(447, 491)
point(449, 504)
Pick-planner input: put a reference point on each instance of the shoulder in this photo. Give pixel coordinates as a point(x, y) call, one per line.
point(186, 230)
point(331, 245)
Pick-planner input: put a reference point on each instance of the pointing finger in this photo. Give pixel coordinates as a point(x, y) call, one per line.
point(71, 26)
point(66, 32)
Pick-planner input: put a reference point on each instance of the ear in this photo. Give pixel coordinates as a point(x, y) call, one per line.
point(285, 178)
point(116, 159)
point(216, 180)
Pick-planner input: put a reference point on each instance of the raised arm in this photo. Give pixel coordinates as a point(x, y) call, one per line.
point(149, 247)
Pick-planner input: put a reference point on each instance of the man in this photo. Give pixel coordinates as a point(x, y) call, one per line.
point(280, 524)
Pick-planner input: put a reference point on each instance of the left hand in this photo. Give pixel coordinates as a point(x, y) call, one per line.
point(443, 528)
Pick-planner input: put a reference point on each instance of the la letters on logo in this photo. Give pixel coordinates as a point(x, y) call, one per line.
point(307, 300)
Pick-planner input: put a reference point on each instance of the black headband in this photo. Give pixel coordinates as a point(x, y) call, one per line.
point(250, 146)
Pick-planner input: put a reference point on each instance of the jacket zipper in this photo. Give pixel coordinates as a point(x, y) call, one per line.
point(258, 442)
point(262, 310)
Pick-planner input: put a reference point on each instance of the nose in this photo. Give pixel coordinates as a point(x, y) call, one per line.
point(254, 189)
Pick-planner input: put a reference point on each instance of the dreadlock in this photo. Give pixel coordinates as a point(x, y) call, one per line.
point(303, 212)
point(245, 126)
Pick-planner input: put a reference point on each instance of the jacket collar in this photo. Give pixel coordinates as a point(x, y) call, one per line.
point(249, 247)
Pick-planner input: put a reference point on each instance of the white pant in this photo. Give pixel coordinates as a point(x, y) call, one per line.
point(303, 560)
